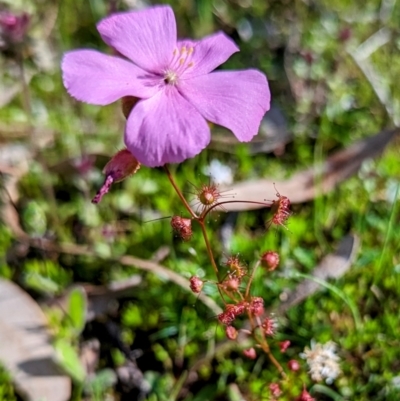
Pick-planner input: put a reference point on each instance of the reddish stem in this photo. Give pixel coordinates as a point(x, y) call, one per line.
point(179, 193)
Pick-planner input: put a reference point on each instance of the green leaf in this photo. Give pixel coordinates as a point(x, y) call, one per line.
point(68, 358)
point(77, 305)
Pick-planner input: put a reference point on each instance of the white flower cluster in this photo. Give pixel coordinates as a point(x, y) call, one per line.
point(322, 361)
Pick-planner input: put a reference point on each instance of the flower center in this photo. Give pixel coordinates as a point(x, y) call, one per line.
point(181, 61)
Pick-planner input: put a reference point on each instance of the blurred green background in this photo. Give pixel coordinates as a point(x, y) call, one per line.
point(333, 69)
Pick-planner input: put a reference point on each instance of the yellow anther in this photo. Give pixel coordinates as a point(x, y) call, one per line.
point(181, 61)
point(183, 50)
point(174, 52)
point(191, 64)
point(191, 49)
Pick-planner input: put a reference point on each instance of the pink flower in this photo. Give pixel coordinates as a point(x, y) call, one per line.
point(174, 81)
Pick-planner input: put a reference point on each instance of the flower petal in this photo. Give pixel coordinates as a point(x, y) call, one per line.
point(208, 53)
point(97, 78)
point(147, 37)
point(165, 129)
point(234, 99)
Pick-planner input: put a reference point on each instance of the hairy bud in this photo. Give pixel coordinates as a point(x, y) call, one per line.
point(208, 195)
point(235, 266)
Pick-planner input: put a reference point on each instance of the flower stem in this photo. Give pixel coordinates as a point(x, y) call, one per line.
point(208, 247)
point(251, 280)
point(263, 343)
point(179, 193)
point(206, 211)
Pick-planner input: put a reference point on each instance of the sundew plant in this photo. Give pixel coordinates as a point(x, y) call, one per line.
point(196, 201)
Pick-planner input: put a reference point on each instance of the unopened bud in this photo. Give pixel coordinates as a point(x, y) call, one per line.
point(293, 365)
point(250, 353)
point(196, 284)
point(122, 165)
point(270, 260)
point(231, 333)
point(284, 345)
point(231, 284)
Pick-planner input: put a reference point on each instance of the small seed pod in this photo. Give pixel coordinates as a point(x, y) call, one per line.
point(250, 353)
point(182, 227)
point(270, 260)
point(122, 165)
point(196, 284)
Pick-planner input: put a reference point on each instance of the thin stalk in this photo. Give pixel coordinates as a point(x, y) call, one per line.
point(208, 247)
point(205, 212)
point(179, 193)
point(265, 346)
point(251, 280)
